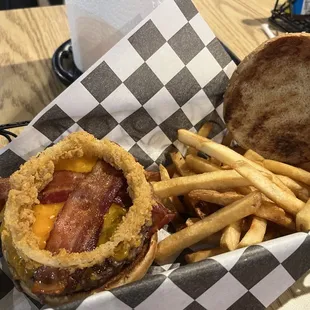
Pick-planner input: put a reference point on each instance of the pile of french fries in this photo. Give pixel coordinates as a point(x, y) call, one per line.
point(233, 199)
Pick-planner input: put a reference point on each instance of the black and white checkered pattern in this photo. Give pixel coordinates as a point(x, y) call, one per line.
point(170, 72)
point(161, 77)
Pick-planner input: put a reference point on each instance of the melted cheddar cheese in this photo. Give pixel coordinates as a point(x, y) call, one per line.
point(45, 217)
point(82, 164)
point(111, 220)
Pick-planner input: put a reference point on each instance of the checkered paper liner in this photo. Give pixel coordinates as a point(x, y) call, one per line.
point(170, 72)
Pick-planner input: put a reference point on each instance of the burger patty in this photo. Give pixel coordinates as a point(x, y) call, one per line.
point(77, 227)
point(59, 282)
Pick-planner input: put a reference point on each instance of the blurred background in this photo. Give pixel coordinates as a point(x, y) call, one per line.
point(18, 4)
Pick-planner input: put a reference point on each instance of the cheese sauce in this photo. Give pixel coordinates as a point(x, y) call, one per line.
point(82, 164)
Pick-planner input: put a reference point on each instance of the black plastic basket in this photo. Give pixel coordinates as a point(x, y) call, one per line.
point(283, 18)
point(5, 129)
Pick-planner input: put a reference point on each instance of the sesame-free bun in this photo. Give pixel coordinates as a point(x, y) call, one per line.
point(267, 103)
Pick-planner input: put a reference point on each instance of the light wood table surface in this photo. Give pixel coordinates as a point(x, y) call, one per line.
point(28, 39)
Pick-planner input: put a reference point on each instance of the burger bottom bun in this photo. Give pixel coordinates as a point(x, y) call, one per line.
point(132, 273)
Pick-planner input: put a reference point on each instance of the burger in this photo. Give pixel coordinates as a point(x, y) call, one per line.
point(266, 105)
point(80, 218)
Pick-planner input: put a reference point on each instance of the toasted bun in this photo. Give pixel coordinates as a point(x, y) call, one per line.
point(132, 273)
point(266, 105)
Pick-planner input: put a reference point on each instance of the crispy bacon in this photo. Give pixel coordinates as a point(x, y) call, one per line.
point(123, 198)
point(78, 224)
point(54, 281)
point(4, 191)
point(62, 185)
point(160, 217)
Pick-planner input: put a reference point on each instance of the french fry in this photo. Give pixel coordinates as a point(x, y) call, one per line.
point(289, 203)
point(180, 164)
point(215, 161)
point(216, 180)
point(268, 211)
point(302, 191)
point(152, 176)
point(213, 239)
point(178, 204)
point(224, 154)
point(204, 131)
point(225, 167)
point(246, 190)
point(255, 234)
point(295, 173)
point(190, 206)
point(201, 255)
point(204, 208)
point(303, 218)
point(231, 236)
point(174, 200)
point(222, 199)
point(199, 208)
point(252, 155)
point(171, 170)
point(183, 169)
point(249, 189)
point(271, 212)
point(200, 213)
point(206, 227)
point(273, 178)
point(164, 174)
point(177, 222)
point(191, 221)
point(200, 165)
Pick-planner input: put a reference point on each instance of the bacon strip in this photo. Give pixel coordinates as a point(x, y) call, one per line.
point(54, 281)
point(62, 185)
point(78, 224)
point(160, 217)
point(123, 199)
point(4, 191)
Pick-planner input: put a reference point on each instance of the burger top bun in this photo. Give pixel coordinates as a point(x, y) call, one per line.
point(267, 103)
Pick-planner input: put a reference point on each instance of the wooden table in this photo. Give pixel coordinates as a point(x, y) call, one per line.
point(28, 41)
point(29, 38)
